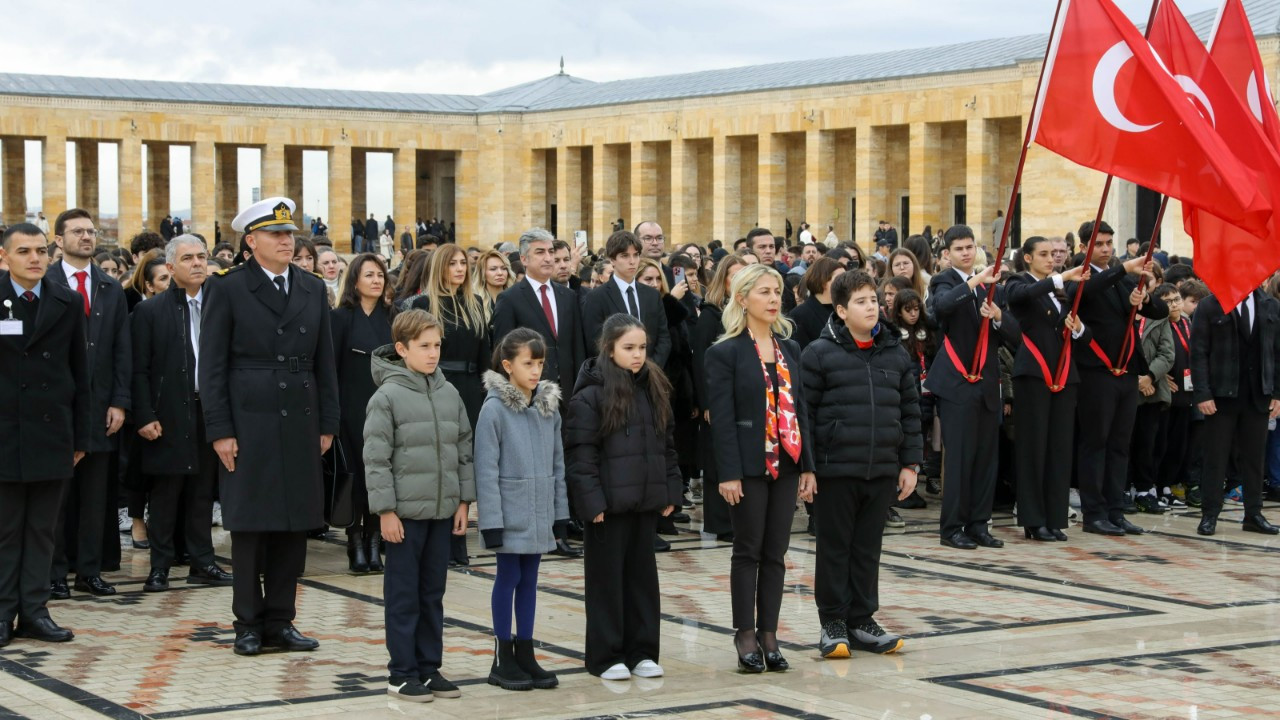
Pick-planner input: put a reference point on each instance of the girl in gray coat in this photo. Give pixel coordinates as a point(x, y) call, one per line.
point(520, 489)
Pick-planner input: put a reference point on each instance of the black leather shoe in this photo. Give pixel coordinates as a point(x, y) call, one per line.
point(679, 517)
point(58, 590)
point(959, 541)
point(43, 629)
point(773, 659)
point(660, 544)
point(211, 575)
point(564, 549)
point(1208, 525)
point(574, 530)
point(1040, 534)
point(1103, 527)
point(1128, 527)
point(157, 581)
point(751, 662)
point(6, 633)
point(290, 640)
point(248, 643)
point(986, 539)
point(1257, 523)
point(1058, 535)
point(95, 585)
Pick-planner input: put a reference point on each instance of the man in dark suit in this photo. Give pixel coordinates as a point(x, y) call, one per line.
point(44, 429)
point(968, 398)
point(622, 294)
point(268, 384)
point(89, 504)
point(175, 451)
point(371, 233)
point(1234, 381)
point(1109, 383)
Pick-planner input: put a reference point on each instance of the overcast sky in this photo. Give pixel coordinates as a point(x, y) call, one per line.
point(478, 46)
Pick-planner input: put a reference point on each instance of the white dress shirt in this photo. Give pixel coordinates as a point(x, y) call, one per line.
point(622, 288)
point(71, 271)
point(271, 278)
point(551, 297)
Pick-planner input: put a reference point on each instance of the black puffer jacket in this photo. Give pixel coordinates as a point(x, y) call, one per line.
point(863, 405)
point(633, 469)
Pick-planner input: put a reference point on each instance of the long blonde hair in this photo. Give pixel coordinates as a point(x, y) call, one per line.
point(467, 308)
point(735, 322)
point(717, 292)
point(480, 282)
point(648, 263)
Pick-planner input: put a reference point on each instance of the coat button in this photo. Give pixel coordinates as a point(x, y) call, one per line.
point(283, 386)
point(279, 358)
point(302, 330)
point(44, 386)
point(45, 355)
point(23, 386)
point(47, 418)
point(306, 411)
point(306, 383)
point(284, 413)
point(279, 331)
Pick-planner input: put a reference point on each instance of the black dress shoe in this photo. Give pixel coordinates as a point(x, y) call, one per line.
point(290, 640)
point(248, 643)
point(6, 633)
point(1257, 523)
point(210, 575)
point(157, 581)
point(43, 629)
point(660, 544)
point(1040, 534)
point(574, 530)
point(959, 541)
point(986, 539)
point(679, 517)
point(1208, 525)
point(913, 502)
point(95, 585)
point(751, 662)
point(564, 549)
point(725, 537)
point(140, 544)
point(773, 659)
point(58, 590)
point(1128, 527)
point(1058, 535)
point(1103, 527)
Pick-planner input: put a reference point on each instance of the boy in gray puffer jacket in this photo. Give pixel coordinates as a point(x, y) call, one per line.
point(419, 473)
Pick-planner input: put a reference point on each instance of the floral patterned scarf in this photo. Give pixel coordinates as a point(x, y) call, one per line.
point(781, 425)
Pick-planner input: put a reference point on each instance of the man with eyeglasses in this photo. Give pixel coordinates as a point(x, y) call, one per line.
point(89, 502)
point(655, 246)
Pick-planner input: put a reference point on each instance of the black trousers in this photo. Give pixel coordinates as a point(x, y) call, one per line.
point(1240, 427)
point(715, 511)
point(621, 576)
point(1147, 447)
point(189, 497)
point(413, 590)
point(850, 517)
point(26, 546)
point(761, 536)
point(78, 539)
point(1046, 424)
point(1106, 413)
point(970, 440)
point(266, 566)
point(1177, 445)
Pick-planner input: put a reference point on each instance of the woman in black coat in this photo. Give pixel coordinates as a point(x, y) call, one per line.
point(763, 453)
point(361, 323)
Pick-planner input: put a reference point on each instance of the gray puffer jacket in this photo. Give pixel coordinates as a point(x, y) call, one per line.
point(520, 467)
point(417, 442)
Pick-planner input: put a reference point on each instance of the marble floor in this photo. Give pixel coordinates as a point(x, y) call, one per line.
point(1167, 625)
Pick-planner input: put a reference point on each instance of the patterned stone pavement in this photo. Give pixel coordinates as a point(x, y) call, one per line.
point(1168, 625)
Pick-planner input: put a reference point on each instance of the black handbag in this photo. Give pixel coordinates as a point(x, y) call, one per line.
point(339, 507)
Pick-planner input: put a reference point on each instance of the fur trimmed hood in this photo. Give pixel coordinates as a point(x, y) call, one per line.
point(546, 400)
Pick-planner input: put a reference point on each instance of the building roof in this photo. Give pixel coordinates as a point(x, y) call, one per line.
point(561, 91)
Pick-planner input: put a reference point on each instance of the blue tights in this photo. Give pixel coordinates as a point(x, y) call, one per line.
point(517, 579)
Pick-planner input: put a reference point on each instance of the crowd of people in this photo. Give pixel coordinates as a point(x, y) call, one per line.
point(281, 389)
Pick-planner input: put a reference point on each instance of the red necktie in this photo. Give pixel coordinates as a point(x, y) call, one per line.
point(546, 309)
point(84, 291)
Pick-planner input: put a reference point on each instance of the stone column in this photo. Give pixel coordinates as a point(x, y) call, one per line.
point(13, 167)
point(54, 176)
point(226, 192)
point(293, 180)
point(467, 201)
point(359, 187)
point(204, 193)
point(604, 189)
point(726, 181)
point(129, 171)
point(819, 182)
point(869, 178)
point(684, 182)
point(273, 171)
point(340, 192)
point(644, 183)
point(772, 183)
point(87, 176)
point(157, 184)
point(569, 192)
point(925, 173)
point(404, 190)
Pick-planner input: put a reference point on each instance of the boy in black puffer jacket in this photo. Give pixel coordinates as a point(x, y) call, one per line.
point(865, 413)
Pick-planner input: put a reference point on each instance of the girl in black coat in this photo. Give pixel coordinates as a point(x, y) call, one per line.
point(361, 323)
point(622, 470)
point(763, 454)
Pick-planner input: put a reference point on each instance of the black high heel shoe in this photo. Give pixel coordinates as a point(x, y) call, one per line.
point(773, 659)
point(750, 662)
point(1058, 534)
point(1040, 534)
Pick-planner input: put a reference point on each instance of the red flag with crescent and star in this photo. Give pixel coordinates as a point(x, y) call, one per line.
point(1232, 261)
point(1235, 51)
point(1107, 103)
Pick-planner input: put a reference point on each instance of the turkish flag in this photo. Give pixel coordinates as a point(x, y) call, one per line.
point(1106, 103)
point(1232, 261)
point(1235, 51)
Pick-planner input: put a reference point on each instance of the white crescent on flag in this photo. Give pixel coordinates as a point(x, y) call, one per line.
point(1104, 89)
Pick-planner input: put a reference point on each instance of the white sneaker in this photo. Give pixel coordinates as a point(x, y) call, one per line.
point(1072, 513)
point(619, 672)
point(217, 514)
point(123, 520)
point(647, 669)
point(1074, 499)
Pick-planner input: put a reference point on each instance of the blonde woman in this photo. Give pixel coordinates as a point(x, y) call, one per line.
point(492, 274)
point(764, 454)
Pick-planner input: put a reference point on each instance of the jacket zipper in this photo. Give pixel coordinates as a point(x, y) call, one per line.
point(871, 394)
point(435, 420)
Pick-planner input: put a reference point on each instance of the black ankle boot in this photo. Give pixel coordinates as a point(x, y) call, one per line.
point(372, 544)
point(506, 672)
point(525, 660)
point(357, 559)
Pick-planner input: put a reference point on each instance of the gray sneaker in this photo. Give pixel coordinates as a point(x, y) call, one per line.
point(894, 520)
point(871, 637)
point(834, 642)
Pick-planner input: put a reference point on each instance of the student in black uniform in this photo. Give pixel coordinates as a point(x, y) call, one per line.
point(1041, 301)
point(1181, 404)
point(968, 398)
point(1110, 383)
